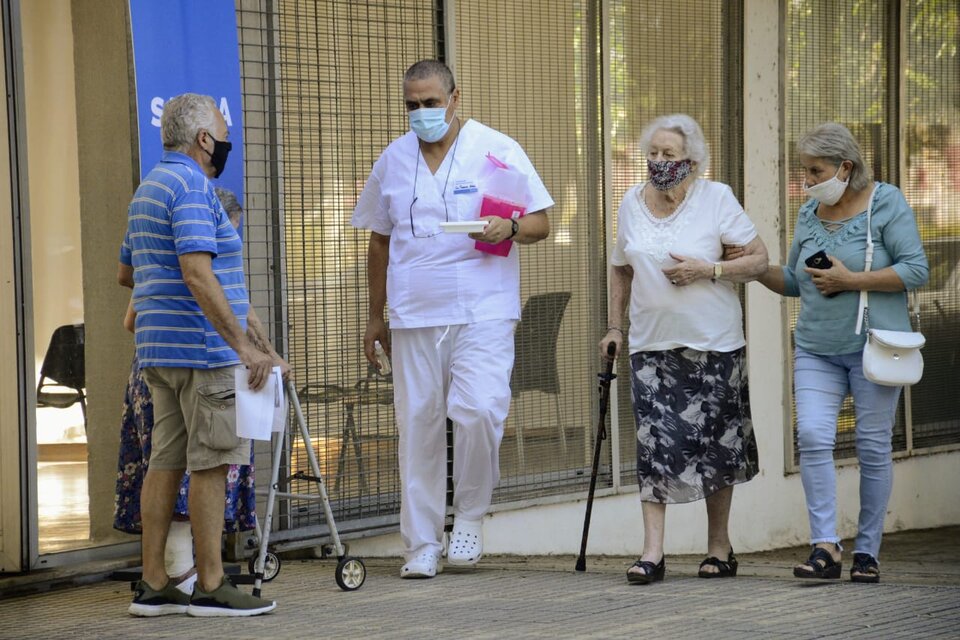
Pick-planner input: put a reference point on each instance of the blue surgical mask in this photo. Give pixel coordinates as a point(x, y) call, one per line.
point(430, 123)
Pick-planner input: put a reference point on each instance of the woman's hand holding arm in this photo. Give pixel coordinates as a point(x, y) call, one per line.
point(769, 275)
point(749, 264)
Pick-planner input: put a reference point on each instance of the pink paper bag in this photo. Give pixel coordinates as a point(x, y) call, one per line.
point(503, 187)
point(491, 206)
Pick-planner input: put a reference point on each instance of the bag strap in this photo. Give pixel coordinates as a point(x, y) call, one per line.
point(863, 313)
point(913, 303)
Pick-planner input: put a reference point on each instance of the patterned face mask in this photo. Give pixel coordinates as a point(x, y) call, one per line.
point(667, 174)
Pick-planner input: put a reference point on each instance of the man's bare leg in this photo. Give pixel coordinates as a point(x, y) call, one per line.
point(157, 497)
point(207, 488)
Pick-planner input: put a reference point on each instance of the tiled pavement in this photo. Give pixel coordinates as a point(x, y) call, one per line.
point(544, 598)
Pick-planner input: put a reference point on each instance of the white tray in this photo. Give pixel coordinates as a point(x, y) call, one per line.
point(464, 226)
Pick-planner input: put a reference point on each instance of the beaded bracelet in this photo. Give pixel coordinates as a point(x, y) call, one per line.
point(617, 329)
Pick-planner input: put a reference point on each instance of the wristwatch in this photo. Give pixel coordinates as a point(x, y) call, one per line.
point(514, 228)
point(717, 270)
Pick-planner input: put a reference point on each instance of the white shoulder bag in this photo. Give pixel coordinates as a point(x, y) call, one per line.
point(890, 358)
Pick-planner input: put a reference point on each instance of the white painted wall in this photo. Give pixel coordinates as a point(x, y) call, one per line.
point(768, 512)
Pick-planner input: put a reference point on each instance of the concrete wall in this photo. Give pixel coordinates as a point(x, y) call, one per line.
point(106, 139)
point(10, 398)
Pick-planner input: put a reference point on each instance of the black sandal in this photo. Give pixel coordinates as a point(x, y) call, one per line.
point(819, 565)
point(866, 566)
point(725, 569)
point(652, 572)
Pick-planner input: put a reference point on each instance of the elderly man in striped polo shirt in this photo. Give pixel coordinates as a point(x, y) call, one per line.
point(191, 305)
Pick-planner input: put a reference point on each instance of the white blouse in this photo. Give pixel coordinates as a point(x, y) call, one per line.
point(704, 315)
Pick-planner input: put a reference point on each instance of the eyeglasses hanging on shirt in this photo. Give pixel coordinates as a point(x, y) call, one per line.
point(443, 194)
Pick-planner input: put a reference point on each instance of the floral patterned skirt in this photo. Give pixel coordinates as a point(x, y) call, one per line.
point(694, 431)
point(135, 429)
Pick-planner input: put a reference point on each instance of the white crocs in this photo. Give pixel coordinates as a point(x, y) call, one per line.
point(466, 542)
point(425, 564)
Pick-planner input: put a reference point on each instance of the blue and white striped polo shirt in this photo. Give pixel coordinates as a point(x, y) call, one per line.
point(175, 211)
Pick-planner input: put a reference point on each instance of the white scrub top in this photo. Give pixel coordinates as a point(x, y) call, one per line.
point(442, 279)
point(704, 315)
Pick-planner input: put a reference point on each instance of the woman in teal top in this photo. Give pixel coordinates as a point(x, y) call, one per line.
point(828, 358)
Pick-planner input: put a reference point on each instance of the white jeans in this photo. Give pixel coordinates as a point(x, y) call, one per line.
point(461, 372)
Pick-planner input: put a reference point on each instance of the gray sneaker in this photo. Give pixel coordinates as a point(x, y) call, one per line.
point(148, 602)
point(227, 600)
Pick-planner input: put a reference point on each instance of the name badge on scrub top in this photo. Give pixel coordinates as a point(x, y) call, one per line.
point(464, 186)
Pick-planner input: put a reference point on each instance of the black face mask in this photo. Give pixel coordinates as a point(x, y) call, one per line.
point(218, 158)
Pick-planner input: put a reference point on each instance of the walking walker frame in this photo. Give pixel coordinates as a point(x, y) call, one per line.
point(351, 571)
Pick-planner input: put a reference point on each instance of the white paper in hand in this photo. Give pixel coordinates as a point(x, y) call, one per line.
point(257, 411)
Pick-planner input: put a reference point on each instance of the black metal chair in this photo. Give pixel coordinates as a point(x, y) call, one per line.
point(63, 366)
point(535, 366)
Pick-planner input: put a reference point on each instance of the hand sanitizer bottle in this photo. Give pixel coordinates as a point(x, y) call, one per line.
point(383, 362)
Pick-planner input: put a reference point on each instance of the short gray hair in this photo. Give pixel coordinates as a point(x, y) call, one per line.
point(183, 118)
point(834, 143)
point(230, 204)
point(693, 141)
point(429, 69)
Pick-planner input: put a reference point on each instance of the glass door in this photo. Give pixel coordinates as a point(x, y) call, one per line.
point(56, 287)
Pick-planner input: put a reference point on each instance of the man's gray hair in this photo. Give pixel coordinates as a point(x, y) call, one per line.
point(834, 143)
point(429, 69)
point(230, 204)
point(183, 118)
point(694, 143)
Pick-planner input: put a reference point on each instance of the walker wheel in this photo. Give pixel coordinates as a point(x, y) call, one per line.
point(351, 573)
point(271, 566)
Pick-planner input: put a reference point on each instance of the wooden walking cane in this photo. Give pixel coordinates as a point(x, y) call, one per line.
point(604, 379)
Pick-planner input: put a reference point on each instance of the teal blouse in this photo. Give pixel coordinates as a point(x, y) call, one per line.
point(827, 326)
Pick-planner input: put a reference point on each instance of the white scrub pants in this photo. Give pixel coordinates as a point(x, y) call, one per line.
point(461, 372)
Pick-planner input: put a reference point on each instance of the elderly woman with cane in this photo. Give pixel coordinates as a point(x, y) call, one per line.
point(687, 350)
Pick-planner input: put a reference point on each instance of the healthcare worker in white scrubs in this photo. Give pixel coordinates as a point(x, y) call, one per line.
point(453, 308)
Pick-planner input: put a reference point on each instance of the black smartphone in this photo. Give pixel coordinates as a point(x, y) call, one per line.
point(819, 260)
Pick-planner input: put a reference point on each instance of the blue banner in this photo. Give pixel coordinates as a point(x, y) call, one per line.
point(187, 46)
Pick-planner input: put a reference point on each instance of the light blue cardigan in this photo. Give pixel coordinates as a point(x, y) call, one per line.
point(827, 326)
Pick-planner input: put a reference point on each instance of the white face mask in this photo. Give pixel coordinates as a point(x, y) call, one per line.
point(829, 191)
